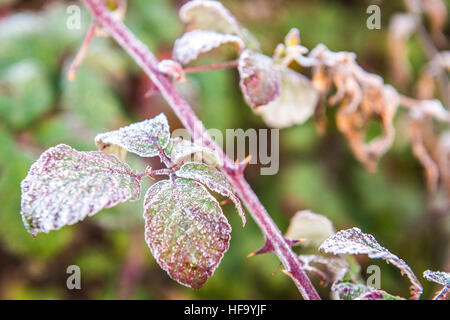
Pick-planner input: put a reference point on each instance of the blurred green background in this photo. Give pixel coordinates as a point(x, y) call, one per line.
point(39, 108)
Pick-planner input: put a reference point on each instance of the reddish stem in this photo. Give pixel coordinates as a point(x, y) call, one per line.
point(211, 67)
point(147, 61)
point(81, 52)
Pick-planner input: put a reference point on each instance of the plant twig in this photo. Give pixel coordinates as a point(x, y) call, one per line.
point(211, 67)
point(147, 61)
point(81, 52)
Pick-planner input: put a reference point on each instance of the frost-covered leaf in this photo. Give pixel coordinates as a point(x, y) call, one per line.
point(181, 151)
point(296, 103)
point(142, 138)
point(212, 15)
point(354, 241)
point(260, 79)
point(64, 186)
point(192, 44)
point(214, 180)
point(185, 230)
point(442, 278)
point(312, 228)
point(353, 291)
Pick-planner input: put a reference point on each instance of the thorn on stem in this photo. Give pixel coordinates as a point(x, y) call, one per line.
point(224, 202)
point(240, 166)
point(287, 273)
point(152, 90)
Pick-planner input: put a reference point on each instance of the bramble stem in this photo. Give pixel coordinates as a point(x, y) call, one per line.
point(81, 52)
point(211, 67)
point(147, 61)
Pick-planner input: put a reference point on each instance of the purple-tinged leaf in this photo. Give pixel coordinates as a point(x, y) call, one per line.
point(212, 15)
point(311, 228)
point(260, 79)
point(353, 291)
point(192, 44)
point(354, 241)
point(142, 138)
point(296, 103)
point(185, 230)
point(442, 278)
point(214, 180)
point(64, 186)
point(181, 151)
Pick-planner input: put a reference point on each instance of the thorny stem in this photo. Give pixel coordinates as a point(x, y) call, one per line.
point(211, 67)
point(147, 61)
point(81, 52)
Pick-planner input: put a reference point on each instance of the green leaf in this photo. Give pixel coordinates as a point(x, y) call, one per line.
point(181, 151)
point(25, 93)
point(91, 98)
point(185, 230)
point(65, 186)
point(311, 228)
point(214, 180)
point(142, 138)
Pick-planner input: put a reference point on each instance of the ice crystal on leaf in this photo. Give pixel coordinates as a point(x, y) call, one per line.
point(192, 44)
point(64, 186)
point(142, 138)
point(186, 230)
point(214, 180)
point(442, 278)
point(354, 241)
point(260, 79)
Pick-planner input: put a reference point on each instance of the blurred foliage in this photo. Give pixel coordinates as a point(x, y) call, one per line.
point(39, 108)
